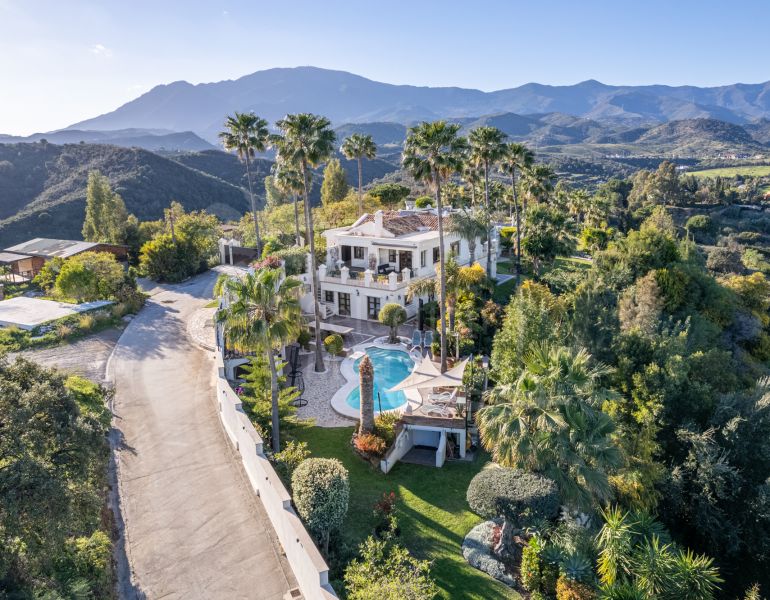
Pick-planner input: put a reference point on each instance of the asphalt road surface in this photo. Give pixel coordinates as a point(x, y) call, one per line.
point(190, 525)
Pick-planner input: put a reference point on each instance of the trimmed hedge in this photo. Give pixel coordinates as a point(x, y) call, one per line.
point(519, 497)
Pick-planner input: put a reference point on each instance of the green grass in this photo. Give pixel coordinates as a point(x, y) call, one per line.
point(432, 511)
point(746, 171)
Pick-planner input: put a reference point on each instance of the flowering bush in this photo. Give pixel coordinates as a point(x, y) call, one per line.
point(386, 504)
point(368, 443)
point(269, 262)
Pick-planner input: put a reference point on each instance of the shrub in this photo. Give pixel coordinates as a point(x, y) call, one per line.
point(520, 497)
point(91, 559)
point(86, 322)
point(531, 565)
point(268, 262)
point(423, 202)
point(303, 339)
point(567, 589)
point(385, 426)
point(288, 459)
point(64, 330)
point(701, 224)
point(294, 260)
point(89, 276)
point(321, 494)
point(388, 572)
point(392, 315)
point(120, 310)
point(369, 443)
point(334, 344)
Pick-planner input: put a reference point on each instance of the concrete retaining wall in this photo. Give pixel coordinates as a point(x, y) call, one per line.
point(306, 562)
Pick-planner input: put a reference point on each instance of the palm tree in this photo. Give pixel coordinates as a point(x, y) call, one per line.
point(431, 151)
point(469, 227)
point(263, 315)
point(307, 141)
point(487, 148)
point(458, 280)
point(471, 176)
point(247, 134)
point(550, 421)
point(289, 181)
point(366, 395)
point(359, 146)
point(538, 182)
point(517, 158)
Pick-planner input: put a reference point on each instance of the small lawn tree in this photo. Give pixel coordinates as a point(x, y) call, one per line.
point(388, 572)
point(392, 315)
point(366, 386)
point(520, 498)
point(321, 494)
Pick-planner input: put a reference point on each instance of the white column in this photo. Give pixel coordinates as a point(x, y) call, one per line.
point(392, 280)
point(322, 272)
point(406, 274)
point(344, 274)
point(368, 278)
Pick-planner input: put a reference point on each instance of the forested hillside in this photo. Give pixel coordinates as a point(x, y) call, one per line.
point(43, 187)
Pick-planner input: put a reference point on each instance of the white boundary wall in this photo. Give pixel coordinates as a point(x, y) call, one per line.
point(305, 560)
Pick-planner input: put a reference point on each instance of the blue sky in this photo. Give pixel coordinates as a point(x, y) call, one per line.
point(63, 61)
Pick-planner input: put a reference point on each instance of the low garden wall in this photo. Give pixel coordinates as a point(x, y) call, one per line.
point(305, 560)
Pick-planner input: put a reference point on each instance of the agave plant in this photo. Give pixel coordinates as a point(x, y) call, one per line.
point(577, 567)
point(622, 591)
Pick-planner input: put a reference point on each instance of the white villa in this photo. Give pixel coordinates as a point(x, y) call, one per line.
point(372, 262)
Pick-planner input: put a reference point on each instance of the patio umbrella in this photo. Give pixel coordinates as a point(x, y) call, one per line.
point(424, 371)
point(452, 378)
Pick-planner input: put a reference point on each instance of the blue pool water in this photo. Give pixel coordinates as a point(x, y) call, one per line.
point(390, 367)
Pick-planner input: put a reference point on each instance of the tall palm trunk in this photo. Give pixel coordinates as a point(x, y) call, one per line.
point(253, 206)
point(297, 236)
point(518, 226)
point(274, 420)
point(489, 216)
point(472, 250)
point(442, 266)
point(360, 189)
point(319, 357)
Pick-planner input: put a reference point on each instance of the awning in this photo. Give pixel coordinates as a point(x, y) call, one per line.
point(422, 372)
point(452, 378)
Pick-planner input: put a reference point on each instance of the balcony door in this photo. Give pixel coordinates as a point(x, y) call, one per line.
point(372, 307)
point(404, 260)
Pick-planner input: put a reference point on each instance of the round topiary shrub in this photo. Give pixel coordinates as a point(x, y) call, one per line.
point(321, 493)
point(334, 344)
point(392, 315)
point(519, 497)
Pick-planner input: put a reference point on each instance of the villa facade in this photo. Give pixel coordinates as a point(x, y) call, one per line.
point(372, 262)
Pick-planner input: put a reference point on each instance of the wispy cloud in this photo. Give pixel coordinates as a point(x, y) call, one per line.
point(101, 50)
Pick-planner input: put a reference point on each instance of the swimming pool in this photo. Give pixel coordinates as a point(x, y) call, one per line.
point(390, 367)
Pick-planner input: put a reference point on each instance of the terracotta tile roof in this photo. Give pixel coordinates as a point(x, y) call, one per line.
point(399, 223)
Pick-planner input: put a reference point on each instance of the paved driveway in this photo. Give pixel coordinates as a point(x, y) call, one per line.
point(193, 528)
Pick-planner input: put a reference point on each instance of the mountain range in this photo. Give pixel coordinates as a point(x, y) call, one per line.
point(348, 98)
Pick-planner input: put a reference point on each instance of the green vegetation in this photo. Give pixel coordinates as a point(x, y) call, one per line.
point(55, 534)
point(263, 314)
point(730, 172)
point(432, 513)
point(106, 215)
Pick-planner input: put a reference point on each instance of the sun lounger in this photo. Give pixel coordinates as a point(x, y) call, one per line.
point(435, 410)
point(416, 340)
point(427, 341)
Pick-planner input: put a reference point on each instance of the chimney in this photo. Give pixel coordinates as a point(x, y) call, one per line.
point(378, 223)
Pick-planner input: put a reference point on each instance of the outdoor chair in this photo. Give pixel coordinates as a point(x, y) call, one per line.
point(427, 341)
point(416, 339)
point(435, 410)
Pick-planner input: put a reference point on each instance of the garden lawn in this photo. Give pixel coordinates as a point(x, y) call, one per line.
point(432, 511)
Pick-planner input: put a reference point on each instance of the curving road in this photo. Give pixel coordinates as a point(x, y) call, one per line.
point(190, 525)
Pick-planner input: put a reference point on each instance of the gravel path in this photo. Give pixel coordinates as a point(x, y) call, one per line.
point(87, 357)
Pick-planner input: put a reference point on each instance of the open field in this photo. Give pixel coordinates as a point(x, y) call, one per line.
point(746, 171)
point(432, 511)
